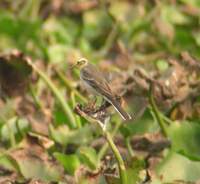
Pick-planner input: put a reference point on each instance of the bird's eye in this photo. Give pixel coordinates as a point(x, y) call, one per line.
point(81, 62)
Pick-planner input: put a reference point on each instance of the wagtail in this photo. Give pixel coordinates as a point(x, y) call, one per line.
point(95, 82)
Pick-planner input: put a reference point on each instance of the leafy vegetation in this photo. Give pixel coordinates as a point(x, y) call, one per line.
point(51, 131)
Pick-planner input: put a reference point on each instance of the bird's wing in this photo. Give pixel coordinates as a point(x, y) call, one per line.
point(96, 80)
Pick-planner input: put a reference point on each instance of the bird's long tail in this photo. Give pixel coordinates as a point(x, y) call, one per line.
point(119, 109)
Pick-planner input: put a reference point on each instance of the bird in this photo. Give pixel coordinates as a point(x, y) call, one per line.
point(95, 82)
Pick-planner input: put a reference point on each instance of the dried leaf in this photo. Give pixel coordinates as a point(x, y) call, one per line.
point(14, 74)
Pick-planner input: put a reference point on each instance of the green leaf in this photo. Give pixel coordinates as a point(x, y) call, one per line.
point(7, 111)
point(184, 40)
point(57, 53)
point(97, 24)
point(140, 126)
point(133, 171)
point(31, 167)
point(59, 134)
point(177, 167)
point(9, 163)
point(35, 168)
point(59, 116)
point(124, 7)
point(20, 33)
point(85, 46)
point(89, 157)
point(70, 162)
point(196, 37)
point(185, 138)
point(63, 135)
point(57, 32)
point(173, 15)
point(14, 126)
point(162, 65)
point(195, 3)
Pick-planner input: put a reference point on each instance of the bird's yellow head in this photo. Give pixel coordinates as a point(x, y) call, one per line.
point(81, 63)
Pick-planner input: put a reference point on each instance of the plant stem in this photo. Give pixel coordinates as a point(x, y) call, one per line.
point(78, 120)
point(130, 150)
point(122, 169)
point(120, 162)
point(36, 100)
point(69, 86)
point(157, 114)
point(106, 146)
point(60, 98)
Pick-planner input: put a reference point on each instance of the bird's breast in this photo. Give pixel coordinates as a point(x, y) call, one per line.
point(89, 88)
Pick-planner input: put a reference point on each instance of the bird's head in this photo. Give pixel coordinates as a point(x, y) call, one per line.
point(81, 63)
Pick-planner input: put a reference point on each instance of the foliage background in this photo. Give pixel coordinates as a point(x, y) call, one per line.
point(38, 140)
